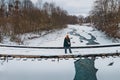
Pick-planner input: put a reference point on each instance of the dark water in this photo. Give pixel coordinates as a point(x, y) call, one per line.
point(84, 68)
point(90, 41)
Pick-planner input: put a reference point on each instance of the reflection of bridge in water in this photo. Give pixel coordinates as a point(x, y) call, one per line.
point(94, 55)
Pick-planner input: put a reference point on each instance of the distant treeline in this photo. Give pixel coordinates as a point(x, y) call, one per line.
point(106, 17)
point(22, 16)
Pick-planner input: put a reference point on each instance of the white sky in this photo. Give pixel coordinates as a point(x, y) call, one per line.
point(74, 7)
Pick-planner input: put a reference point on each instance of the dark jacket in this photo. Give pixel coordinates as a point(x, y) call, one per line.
point(67, 42)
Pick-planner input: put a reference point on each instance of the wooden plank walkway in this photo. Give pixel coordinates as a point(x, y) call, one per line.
point(59, 56)
point(5, 56)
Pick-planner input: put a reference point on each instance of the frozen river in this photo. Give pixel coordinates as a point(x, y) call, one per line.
point(51, 69)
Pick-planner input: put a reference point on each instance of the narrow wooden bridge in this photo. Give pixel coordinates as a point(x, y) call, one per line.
point(7, 56)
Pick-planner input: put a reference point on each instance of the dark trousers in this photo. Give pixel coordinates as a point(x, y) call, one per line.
point(68, 48)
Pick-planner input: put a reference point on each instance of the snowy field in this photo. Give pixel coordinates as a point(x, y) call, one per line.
point(51, 69)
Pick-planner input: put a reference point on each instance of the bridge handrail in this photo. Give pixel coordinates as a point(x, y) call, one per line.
point(79, 47)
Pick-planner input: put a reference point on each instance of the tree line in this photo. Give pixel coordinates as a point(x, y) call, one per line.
point(22, 16)
point(106, 17)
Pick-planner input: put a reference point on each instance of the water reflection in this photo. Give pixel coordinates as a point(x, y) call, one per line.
point(85, 69)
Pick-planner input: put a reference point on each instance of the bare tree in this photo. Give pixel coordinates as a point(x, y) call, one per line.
point(105, 16)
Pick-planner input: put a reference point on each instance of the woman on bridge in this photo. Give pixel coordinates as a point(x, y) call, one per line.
point(67, 44)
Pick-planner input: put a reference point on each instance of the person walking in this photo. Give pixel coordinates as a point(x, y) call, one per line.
point(67, 44)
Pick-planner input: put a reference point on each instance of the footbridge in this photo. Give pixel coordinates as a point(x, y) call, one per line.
point(115, 52)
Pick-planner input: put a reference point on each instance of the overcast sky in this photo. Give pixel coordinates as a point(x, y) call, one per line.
point(74, 7)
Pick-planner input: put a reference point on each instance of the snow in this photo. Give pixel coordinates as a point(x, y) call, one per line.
point(106, 72)
point(51, 69)
point(55, 39)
